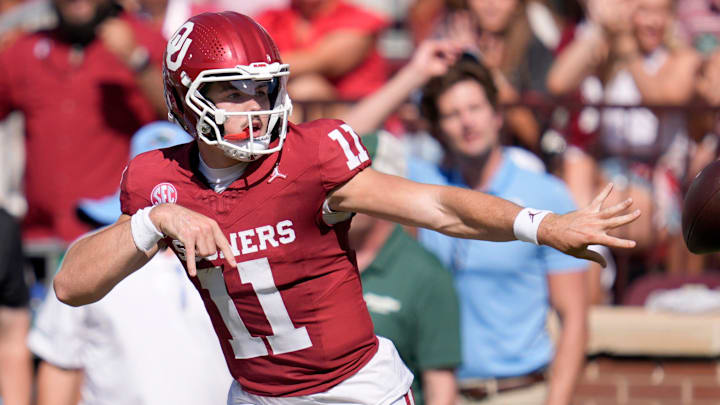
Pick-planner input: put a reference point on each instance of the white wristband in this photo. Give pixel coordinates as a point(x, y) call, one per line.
point(526, 224)
point(144, 233)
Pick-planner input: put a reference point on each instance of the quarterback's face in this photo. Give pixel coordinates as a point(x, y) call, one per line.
point(241, 96)
point(469, 123)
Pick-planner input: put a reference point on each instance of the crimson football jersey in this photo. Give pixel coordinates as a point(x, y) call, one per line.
point(290, 318)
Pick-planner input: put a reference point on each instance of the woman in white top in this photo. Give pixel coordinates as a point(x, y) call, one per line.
point(625, 55)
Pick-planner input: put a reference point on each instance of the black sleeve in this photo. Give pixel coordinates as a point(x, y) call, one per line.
point(13, 289)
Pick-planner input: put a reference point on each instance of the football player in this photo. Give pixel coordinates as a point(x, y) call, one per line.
point(259, 208)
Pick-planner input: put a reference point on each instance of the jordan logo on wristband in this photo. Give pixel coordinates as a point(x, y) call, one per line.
point(532, 215)
point(525, 228)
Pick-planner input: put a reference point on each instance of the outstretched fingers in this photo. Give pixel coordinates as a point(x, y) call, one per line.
point(616, 209)
point(597, 203)
point(617, 221)
point(615, 242)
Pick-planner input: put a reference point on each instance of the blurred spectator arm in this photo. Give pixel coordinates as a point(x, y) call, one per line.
point(334, 55)
point(568, 297)
point(15, 359)
point(518, 119)
point(57, 339)
point(432, 58)
point(422, 17)
point(673, 83)
point(15, 362)
point(708, 82)
point(579, 60)
point(438, 342)
point(439, 387)
point(523, 124)
point(150, 81)
point(57, 385)
point(118, 37)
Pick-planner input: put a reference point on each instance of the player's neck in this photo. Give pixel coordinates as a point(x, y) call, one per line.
point(221, 178)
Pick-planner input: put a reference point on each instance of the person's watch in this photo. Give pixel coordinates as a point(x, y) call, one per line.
point(139, 59)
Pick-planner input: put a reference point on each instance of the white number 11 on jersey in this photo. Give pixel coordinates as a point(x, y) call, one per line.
point(285, 338)
point(353, 160)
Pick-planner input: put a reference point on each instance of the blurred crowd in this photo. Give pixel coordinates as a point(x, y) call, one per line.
point(584, 91)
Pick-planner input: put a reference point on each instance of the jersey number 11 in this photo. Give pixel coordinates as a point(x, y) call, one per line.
point(285, 338)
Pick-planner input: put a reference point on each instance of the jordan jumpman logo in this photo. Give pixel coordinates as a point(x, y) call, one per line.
point(532, 215)
point(276, 173)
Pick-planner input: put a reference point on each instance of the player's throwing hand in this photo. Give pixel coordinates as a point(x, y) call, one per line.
point(573, 232)
point(200, 235)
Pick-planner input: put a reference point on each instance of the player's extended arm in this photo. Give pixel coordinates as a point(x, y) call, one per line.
point(475, 215)
point(567, 296)
point(95, 263)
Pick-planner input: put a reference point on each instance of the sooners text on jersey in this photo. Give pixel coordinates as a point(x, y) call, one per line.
point(290, 318)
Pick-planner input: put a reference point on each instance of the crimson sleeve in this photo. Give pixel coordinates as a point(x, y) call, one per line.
point(341, 153)
point(131, 199)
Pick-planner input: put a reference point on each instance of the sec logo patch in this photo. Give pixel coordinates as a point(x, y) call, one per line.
point(163, 193)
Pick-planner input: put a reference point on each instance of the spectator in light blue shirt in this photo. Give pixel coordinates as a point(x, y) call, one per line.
point(505, 289)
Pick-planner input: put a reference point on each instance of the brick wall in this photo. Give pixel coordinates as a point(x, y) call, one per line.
point(649, 381)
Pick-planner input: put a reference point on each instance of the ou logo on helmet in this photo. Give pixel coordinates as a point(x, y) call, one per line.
point(164, 193)
point(178, 44)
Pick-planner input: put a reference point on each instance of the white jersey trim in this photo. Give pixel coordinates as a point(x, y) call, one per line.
point(383, 380)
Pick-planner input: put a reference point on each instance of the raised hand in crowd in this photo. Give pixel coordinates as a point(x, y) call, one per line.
point(614, 16)
point(118, 37)
point(461, 30)
point(432, 58)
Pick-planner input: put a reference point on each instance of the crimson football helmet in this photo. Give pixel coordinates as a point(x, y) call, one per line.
point(226, 47)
